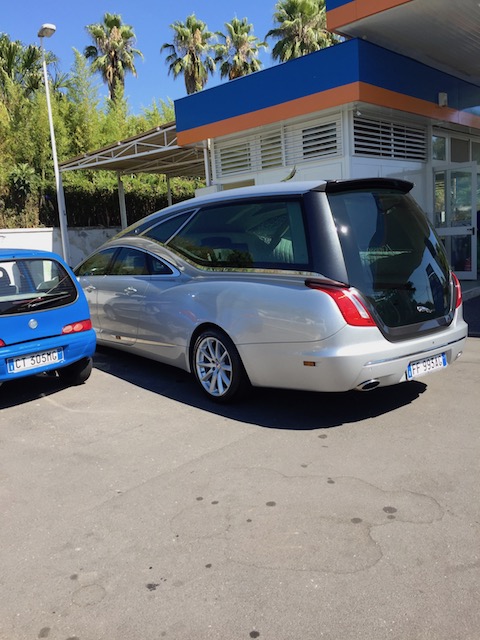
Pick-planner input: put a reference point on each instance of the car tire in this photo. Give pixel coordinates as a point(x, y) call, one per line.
point(76, 373)
point(218, 368)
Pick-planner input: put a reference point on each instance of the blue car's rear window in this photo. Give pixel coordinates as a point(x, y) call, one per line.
point(34, 284)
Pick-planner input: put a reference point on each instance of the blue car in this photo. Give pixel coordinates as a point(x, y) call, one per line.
point(45, 321)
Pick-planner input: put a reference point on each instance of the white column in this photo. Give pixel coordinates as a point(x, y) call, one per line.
point(121, 200)
point(206, 159)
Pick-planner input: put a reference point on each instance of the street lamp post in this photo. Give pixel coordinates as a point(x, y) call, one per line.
point(46, 31)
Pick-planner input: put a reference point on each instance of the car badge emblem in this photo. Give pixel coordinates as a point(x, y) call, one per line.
point(422, 309)
point(33, 324)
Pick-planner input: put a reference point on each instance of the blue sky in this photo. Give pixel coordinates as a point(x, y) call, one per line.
point(150, 19)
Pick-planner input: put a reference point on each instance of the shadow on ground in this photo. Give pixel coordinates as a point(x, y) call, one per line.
point(270, 408)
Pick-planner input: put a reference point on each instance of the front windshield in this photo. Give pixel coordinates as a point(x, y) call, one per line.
point(32, 284)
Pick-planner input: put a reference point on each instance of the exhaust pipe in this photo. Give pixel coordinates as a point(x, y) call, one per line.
point(368, 385)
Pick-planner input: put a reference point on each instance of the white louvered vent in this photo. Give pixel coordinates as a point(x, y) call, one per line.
point(389, 139)
point(234, 158)
point(277, 147)
point(313, 140)
point(271, 150)
point(253, 153)
point(320, 140)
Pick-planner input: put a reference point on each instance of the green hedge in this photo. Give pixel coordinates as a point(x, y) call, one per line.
point(102, 208)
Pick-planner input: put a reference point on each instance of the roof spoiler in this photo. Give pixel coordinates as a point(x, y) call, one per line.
point(335, 186)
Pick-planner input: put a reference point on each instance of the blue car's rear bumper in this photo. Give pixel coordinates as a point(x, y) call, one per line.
point(75, 347)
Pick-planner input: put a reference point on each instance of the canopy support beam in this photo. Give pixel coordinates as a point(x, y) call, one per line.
point(121, 200)
point(206, 159)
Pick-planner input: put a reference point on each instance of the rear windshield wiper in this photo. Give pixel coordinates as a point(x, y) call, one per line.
point(41, 300)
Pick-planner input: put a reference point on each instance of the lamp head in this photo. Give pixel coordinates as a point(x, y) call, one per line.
point(46, 30)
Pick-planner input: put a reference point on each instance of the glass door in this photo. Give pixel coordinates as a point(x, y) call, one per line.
point(456, 204)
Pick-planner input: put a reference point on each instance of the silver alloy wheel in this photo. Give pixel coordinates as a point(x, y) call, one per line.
point(213, 366)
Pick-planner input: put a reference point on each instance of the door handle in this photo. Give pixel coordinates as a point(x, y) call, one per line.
point(130, 290)
point(90, 288)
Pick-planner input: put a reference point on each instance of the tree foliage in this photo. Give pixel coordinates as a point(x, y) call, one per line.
point(238, 51)
point(112, 55)
point(190, 53)
point(20, 66)
point(301, 29)
point(84, 122)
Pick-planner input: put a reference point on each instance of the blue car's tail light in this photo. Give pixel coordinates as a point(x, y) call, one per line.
point(76, 327)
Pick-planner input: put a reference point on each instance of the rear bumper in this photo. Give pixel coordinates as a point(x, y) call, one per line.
point(75, 347)
point(347, 360)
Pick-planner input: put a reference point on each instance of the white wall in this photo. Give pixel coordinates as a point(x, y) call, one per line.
point(82, 240)
point(415, 172)
point(330, 169)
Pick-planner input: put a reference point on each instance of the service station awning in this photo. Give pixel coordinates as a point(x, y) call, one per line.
point(155, 151)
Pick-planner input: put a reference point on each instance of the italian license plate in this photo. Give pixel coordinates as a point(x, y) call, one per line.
point(426, 365)
point(35, 360)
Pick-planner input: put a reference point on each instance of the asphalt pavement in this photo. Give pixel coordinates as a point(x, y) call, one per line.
point(135, 509)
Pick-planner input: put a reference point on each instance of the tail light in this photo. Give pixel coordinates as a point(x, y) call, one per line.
point(350, 305)
point(458, 290)
point(2, 343)
point(76, 327)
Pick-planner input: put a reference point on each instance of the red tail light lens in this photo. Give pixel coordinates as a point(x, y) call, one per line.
point(458, 290)
point(76, 327)
point(2, 343)
point(351, 307)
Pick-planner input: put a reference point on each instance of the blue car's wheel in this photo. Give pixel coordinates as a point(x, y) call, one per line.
point(77, 372)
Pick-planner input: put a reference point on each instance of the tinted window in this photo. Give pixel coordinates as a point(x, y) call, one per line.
point(156, 267)
point(124, 261)
point(158, 226)
point(129, 262)
point(393, 255)
point(97, 264)
point(268, 234)
point(165, 230)
point(34, 285)
point(133, 262)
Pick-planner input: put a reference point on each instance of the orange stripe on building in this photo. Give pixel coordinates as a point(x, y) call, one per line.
point(277, 113)
point(353, 92)
point(358, 9)
point(385, 98)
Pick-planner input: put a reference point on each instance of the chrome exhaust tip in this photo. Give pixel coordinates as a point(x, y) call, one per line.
point(368, 385)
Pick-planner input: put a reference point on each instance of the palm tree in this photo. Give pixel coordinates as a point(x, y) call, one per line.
point(301, 29)
point(238, 53)
point(190, 53)
point(113, 53)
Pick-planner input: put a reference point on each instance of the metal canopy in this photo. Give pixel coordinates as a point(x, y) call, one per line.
point(155, 151)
